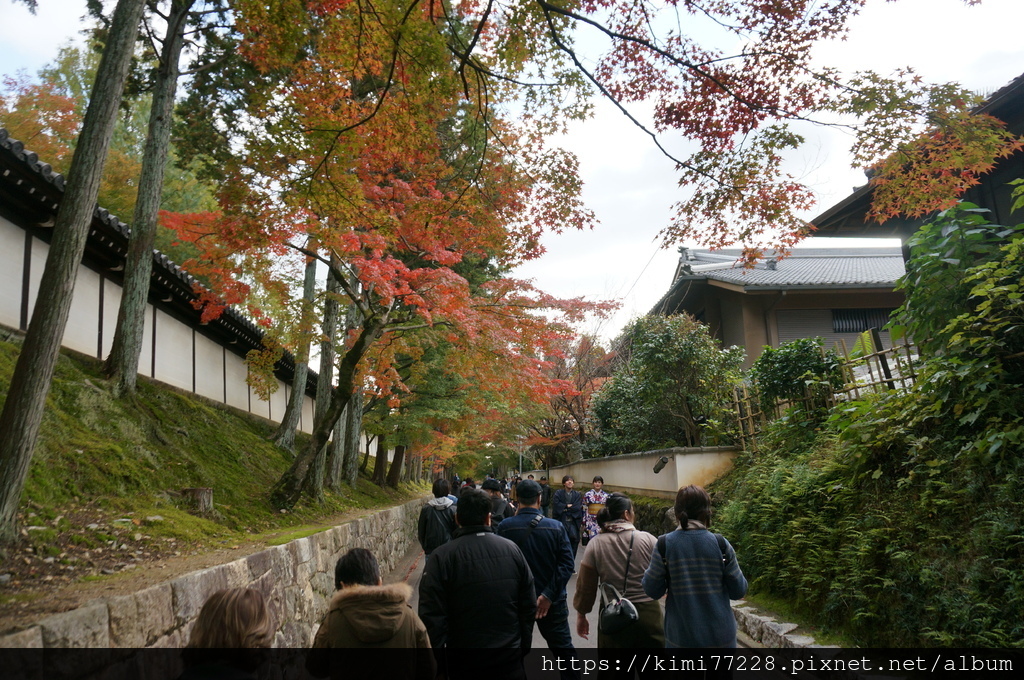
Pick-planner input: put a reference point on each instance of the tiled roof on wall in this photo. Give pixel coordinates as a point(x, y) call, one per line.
point(39, 191)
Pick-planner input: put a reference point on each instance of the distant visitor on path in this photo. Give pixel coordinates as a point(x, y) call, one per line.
point(699, 571)
point(365, 614)
point(567, 508)
point(437, 518)
point(594, 500)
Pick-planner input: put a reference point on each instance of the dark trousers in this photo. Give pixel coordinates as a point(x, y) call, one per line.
point(554, 628)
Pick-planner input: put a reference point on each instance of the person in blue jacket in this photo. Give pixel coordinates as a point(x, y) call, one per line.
point(699, 571)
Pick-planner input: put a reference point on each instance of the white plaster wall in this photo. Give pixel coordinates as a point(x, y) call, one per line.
point(82, 330)
point(279, 401)
point(306, 423)
point(12, 253)
point(174, 340)
point(111, 302)
point(39, 250)
point(173, 352)
point(146, 356)
point(209, 368)
point(238, 390)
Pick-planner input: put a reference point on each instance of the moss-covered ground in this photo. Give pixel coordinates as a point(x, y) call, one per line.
point(104, 489)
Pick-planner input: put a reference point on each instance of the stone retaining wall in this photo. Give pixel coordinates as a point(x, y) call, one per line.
point(297, 578)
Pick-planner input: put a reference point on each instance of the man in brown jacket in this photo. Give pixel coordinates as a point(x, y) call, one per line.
point(364, 614)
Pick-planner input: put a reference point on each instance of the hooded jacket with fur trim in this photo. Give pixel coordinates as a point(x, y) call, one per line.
point(372, 617)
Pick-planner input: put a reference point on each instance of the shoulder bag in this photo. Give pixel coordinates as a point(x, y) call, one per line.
point(618, 613)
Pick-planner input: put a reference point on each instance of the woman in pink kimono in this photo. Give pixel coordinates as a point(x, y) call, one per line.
point(593, 501)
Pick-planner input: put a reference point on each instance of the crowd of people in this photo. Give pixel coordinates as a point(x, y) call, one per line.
point(498, 561)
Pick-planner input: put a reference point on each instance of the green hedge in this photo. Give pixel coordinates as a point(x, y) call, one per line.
point(925, 556)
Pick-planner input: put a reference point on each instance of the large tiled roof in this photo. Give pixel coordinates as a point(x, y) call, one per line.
point(811, 268)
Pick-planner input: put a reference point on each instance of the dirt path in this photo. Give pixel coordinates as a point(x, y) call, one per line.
point(33, 586)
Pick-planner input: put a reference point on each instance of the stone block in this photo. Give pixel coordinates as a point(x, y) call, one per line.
point(236, 573)
point(797, 641)
point(260, 563)
point(156, 611)
point(30, 638)
point(85, 627)
point(773, 633)
point(282, 563)
point(124, 622)
point(191, 590)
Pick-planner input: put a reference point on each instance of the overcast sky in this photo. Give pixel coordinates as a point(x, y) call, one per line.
point(629, 185)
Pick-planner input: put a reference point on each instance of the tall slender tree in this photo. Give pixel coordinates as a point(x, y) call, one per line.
point(23, 409)
point(123, 361)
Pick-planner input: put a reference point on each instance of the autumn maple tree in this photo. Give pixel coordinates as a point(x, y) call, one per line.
point(370, 145)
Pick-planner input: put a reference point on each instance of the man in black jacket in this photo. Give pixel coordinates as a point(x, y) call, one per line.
point(437, 518)
point(500, 508)
point(477, 593)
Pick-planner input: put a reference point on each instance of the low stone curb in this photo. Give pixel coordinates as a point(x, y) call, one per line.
point(768, 632)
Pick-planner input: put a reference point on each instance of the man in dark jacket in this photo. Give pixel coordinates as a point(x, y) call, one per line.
point(567, 508)
point(546, 547)
point(500, 508)
point(437, 518)
point(545, 497)
point(477, 593)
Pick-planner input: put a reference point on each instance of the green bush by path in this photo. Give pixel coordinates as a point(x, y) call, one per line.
point(929, 559)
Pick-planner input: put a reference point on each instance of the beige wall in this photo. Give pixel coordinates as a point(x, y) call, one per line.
point(634, 472)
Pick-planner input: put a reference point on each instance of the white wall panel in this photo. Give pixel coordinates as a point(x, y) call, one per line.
point(39, 251)
point(111, 303)
point(238, 390)
point(12, 256)
point(146, 357)
point(279, 401)
point(82, 330)
point(173, 352)
point(209, 368)
point(306, 423)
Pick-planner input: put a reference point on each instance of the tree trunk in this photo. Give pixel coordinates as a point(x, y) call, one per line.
point(288, 489)
point(336, 455)
point(23, 409)
point(380, 465)
point(366, 456)
point(354, 415)
point(395, 473)
point(285, 435)
point(123, 361)
point(314, 484)
point(199, 500)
